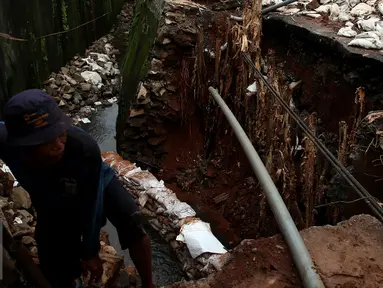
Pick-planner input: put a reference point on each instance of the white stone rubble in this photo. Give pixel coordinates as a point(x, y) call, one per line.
point(347, 32)
point(367, 15)
point(87, 82)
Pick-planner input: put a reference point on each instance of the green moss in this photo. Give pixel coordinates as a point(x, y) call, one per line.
point(54, 9)
point(64, 14)
point(59, 47)
point(141, 37)
point(32, 38)
point(44, 51)
point(108, 7)
point(43, 47)
point(23, 33)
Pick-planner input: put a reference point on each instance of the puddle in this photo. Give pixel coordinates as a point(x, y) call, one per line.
point(166, 268)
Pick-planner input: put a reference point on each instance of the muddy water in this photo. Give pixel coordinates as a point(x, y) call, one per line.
point(166, 268)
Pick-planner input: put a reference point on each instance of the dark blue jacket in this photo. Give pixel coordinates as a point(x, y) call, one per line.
point(67, 197)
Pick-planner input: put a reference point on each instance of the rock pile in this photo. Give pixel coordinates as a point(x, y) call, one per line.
point(87, 83)
point(362, 20)
point(19, 218)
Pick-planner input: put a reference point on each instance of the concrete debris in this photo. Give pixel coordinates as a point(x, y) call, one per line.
point(362, 9)
point(347, 32)
point(367, 25)
point(92, 78)
point(349, 24)
point(200, 256)
point(380, 7)
point(85, 120)
point(113, 100)
point(366, 15)
point(86, 81)
point(367, 42)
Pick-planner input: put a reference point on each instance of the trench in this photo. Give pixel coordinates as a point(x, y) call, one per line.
point(166, 267)
point(184, 139)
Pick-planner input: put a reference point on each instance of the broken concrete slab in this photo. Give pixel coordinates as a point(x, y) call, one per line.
point(320, 32)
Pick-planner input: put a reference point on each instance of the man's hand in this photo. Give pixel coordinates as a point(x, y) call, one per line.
point(94, 265)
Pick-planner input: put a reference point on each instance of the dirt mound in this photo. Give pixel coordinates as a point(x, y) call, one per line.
point(347, 255)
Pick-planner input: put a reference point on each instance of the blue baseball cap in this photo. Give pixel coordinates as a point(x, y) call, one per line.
point(32, 117)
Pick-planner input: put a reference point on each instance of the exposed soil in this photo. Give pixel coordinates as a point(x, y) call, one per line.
point(337, 71)
point(217, 179)
point(348, 255)
point(198, 157)
point(215, 188)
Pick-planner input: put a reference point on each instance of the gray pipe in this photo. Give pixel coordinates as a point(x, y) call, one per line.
point(276, 6)
point(301, 257)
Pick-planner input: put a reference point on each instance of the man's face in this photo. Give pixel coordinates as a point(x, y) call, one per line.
point(50, 152)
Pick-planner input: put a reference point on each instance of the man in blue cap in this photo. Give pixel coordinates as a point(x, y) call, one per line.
point(71, 188)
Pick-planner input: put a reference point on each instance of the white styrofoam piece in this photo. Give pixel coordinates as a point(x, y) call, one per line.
point(199, 239)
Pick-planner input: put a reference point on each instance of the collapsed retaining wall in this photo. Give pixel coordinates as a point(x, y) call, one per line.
point(196, 47)
point(200, 253)
point(27, 56)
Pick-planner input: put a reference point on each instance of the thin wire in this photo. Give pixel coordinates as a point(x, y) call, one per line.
point(359, 189)
point(69, 30)
point(340, 202)
point(7, 36)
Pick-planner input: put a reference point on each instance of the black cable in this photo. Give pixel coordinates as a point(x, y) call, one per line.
point(359, 189)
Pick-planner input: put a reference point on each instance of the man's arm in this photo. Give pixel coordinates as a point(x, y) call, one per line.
point(141, 254)
point(92, 203)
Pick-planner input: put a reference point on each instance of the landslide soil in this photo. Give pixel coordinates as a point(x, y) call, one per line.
point(348, 255)
point(221, 188)
point(219, 185)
